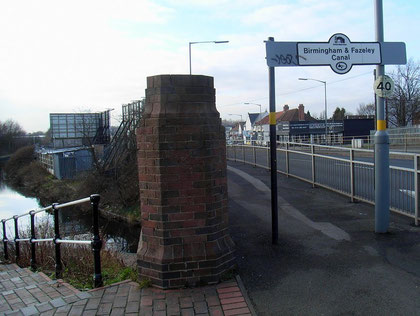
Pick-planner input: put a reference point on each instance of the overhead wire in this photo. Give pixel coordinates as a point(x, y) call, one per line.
point(296, 91)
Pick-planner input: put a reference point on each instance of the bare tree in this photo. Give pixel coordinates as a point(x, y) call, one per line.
point(366, 109)
point(9, 136)
point(404, 104)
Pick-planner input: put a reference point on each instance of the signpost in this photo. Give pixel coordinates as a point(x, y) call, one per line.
point(341, 54)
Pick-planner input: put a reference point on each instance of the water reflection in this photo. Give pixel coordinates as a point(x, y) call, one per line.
point(78, 224)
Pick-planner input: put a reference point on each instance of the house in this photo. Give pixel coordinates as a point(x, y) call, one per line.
point(250, 131)
point(236, 133)
point(283, 119)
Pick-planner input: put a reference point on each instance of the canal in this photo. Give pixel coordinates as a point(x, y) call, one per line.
point(74, 223)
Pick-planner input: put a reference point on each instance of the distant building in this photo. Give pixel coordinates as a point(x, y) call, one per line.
point(65, 163)
point(250, 130)
point(77, 139)
point(284, 120)
point(79, 129)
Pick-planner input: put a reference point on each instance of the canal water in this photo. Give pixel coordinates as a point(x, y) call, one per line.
point(73, 222)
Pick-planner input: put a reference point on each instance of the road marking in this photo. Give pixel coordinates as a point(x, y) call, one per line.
point(326, 228)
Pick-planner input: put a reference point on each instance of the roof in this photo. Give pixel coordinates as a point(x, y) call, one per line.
point(59, 150)
point(236, 127)
point(253, 117)
point(286, 116)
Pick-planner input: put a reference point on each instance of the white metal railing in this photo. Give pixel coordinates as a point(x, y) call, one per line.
point(348, 171)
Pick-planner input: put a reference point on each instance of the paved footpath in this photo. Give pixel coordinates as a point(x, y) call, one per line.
point(26, 293)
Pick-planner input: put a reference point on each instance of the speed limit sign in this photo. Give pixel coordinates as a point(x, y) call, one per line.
point(383, 86)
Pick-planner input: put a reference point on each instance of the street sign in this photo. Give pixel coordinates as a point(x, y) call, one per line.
point(383, 86)
point(339, 53)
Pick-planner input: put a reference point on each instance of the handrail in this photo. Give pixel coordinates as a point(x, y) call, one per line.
point(96, 241)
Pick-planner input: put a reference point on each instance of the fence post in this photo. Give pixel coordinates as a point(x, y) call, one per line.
point(58, 265)
point(254, 150)
point(234, 152)
point(243, 153)
point(15, 219)
point(268, 158)
point(6, 253)
point(313, 165)
point(33, 257)
point(96, 242)
point(352, 174)
point(287, 159)
point(416, 190)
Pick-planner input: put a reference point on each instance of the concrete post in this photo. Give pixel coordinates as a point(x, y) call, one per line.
point(183, 186)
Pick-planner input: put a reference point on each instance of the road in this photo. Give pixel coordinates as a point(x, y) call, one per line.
point(336, 173)
point(328, 260)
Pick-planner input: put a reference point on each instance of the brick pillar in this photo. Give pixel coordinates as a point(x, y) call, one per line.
point(183, 188)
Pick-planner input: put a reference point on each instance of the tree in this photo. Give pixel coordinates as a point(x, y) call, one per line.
point(339, 114)
point(9, 136)
point(404, 104)
point(366, 109)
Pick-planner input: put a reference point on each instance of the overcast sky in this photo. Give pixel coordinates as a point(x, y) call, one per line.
point(67, 56)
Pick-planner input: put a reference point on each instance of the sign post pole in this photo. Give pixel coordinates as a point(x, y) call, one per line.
point(381, 142)
point(273, 154)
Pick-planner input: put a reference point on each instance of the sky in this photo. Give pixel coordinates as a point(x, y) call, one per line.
point(76, 56)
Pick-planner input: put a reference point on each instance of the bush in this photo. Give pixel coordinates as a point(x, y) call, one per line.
point(22, 157)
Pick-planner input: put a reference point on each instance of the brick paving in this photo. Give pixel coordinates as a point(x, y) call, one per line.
point(23, 292)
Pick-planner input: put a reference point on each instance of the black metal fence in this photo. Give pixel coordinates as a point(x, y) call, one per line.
point(96, 241)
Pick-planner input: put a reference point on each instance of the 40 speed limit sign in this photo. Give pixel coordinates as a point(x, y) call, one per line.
point(383, 86)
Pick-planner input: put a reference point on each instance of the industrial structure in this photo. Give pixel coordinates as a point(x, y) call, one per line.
point(79, 141)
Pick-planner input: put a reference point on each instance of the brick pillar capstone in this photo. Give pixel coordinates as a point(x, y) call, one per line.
point(183, 187)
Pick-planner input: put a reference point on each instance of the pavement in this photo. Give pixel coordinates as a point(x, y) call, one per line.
point(23, 292)
point(328, 260)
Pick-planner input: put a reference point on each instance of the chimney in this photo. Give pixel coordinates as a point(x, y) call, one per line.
point(301, 112)
point(285, 107)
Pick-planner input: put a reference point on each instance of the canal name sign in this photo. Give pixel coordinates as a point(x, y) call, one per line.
point(339, 53)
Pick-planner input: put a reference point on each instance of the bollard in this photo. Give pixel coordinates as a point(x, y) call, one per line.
point(58, 265)
point(96, 242)
point(33, 257)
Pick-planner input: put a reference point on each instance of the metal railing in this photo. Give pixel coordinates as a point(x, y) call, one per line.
point(347, 171)
point(96, 241)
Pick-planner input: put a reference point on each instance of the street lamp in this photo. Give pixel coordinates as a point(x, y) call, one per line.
point(325, 98)
point(214, 42)
point(254, 104)
point(237, 115)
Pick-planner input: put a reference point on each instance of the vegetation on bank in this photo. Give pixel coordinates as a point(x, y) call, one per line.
point(119, 199)
point(77, 260)
point(118, 189)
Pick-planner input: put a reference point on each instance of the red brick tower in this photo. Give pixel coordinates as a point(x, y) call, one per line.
point(183, 187)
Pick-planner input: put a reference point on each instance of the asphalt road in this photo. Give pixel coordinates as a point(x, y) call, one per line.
point(328, 260)
point(336, 174)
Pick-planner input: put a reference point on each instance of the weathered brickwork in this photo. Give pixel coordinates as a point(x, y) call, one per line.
point(183, 186)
